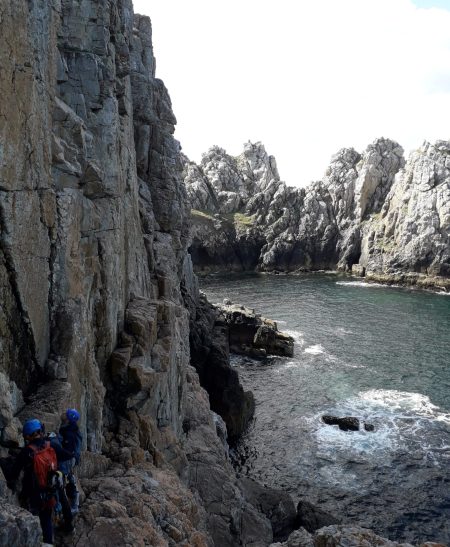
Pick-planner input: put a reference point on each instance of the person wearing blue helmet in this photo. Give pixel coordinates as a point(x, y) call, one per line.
point(38, 461)
point(71, 441)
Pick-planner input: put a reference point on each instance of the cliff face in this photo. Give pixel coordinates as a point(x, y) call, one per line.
point(97, 289)
point(372, 213)
point(411, 232)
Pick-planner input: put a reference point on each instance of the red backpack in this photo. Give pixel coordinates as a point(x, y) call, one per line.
point(44, 463)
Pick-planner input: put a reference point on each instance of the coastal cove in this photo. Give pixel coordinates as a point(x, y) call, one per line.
point(376, 352)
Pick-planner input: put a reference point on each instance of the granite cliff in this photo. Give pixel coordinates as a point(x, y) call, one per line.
point(372, 214)
point(99, 305)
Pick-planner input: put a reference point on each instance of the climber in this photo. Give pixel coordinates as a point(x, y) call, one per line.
point(71, 440)
point(41, 480)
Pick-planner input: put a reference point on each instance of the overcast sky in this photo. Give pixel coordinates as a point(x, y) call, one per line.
point(305, 77)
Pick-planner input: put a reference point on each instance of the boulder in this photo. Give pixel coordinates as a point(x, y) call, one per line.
point(346, 423)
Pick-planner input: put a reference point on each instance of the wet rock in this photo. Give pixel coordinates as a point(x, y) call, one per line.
point(369, 427)
point(312, 517)
point(346, 423)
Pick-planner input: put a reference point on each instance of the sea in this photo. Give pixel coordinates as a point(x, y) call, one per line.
point(376, 352)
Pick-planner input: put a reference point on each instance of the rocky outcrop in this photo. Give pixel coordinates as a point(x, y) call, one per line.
point(345, 423)
point(251, 334)
point(210, 355)
point(97, 288)
point(371, 214)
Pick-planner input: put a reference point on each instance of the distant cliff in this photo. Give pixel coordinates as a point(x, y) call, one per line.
point(372, 214)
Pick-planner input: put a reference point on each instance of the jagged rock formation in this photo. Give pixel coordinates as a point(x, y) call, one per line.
point(251, 334)
point(371, 213)
point(411, 232)
point(97, 289)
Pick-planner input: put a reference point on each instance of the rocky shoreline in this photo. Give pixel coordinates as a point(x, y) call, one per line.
point(373, 214)
point(413, 281)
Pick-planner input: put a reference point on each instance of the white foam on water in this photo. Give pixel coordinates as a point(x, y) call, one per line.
point(293, 364)
point(317, 349)
point(403, 421)
point(361, 284)
point(297, 336)
point(404, 403)
point(332, 440)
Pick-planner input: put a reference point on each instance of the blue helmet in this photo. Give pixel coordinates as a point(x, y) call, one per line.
point(72, 415)
point(31, 426)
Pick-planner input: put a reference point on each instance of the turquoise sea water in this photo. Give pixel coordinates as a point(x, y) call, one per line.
point(379, 353)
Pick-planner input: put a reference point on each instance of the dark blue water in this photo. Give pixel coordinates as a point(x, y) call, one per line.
point(379, 353)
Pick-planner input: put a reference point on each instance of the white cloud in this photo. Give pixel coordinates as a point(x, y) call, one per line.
point(305, 78)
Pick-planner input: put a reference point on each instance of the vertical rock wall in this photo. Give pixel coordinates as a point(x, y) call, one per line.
point(97, 289)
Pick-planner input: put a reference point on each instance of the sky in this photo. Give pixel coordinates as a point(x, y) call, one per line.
point(304, 77)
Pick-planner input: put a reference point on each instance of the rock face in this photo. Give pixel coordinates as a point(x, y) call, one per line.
point(210, 352)
point(411, 233)
point(372, 214)
point(97, 288)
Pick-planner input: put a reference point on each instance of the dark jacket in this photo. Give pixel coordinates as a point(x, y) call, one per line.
point(31, 492)
point(71, 439)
